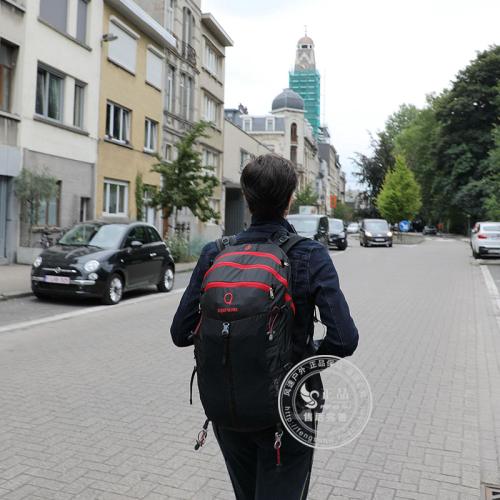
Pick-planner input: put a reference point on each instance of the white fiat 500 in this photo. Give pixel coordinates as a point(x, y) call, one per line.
point(485, 239)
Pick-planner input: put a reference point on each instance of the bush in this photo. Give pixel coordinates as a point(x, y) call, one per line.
point(184, 251)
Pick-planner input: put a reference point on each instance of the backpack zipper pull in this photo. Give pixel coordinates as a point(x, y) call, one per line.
point(271, 335)
point(271, 292)
point(225, 335)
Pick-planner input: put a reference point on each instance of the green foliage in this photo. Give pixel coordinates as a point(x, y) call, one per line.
point(342, 212)
point(139, 196)
point(184, 251)
point(305, 196)
point(399, 198)
point(186, 182)
point(397, 122)
point(32, 189)
point(373, 169)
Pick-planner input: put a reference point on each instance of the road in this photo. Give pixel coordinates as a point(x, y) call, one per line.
point(96, 406)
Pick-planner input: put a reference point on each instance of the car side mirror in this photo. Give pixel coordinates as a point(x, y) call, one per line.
point(136, 244)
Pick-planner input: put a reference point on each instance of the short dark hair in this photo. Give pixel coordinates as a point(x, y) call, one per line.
point(268, 182)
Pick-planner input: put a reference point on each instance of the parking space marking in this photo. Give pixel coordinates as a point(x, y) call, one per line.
point(59, 317)
point(492, 289)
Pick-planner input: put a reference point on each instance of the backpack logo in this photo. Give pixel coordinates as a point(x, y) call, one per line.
point(248, 247)
point(228, 298)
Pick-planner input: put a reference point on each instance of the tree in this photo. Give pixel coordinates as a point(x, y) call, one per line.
point(397, 122)
point(342, 212)
point(186, 182)
point(373, 169)
point(139, 196)
point(305, 196)
point(468, 113)
point(32, 189)
point(399, 198)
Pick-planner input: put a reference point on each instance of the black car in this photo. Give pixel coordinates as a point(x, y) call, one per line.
point(338, 236)
point(99, 259)
point(311, 226)
point(375, 232)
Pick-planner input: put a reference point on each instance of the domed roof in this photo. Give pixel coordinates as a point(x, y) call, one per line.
point(288, 99)
point(306, 40)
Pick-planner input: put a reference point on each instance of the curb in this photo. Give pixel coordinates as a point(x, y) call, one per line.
point(20, 295)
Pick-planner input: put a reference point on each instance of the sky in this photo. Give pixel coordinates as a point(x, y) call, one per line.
point(373, 56)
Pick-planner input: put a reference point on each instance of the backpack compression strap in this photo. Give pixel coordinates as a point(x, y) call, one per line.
point(288, 241)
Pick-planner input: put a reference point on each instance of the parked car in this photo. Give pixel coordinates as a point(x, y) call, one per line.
point(429, 230)
point(375, 232)
point(338, 236)
point(311, 226)
point(99, 259)
point(485, 239)
point(353, 228)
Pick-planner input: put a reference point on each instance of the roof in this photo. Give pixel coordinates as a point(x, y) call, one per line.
point(306, 39)
point(288, 99)
point(216, 29)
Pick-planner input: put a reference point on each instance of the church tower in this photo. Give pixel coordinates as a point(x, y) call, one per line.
point(305, 80)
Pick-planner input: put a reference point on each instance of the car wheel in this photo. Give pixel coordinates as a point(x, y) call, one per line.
point(167, 282)
point(360, 243)
point(475, 254)
point(39, 295)
point(389, 245)
point(114, 290)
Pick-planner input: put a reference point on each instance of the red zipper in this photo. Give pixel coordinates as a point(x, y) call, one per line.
point(257, 254)
point(239, 284)
point(249, 266)
point(289, 299)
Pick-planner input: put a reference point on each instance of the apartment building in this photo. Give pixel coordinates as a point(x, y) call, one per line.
point(51, 54)
point(130, 111)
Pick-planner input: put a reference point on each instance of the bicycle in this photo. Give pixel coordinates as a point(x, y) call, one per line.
point(45, 241)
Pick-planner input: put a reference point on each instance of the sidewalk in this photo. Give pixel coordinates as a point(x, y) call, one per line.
point(15, 279)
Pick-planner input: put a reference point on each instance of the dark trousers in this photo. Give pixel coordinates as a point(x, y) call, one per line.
point(251, 462)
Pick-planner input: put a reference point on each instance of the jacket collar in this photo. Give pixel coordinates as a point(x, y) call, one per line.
point(277, 221)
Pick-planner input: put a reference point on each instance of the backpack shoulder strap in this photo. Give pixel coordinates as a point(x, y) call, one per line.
point(288, 241)
point(225, 242)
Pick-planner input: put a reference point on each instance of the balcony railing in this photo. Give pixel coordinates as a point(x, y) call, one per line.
point(188, 53)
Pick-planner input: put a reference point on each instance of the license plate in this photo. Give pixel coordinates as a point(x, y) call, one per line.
point(61, 280)
point(495, 237)
point(379, 239)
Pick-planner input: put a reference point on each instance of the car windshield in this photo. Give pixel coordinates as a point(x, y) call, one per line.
point(336, 225)
point(376, 225)
point(95, 235)
point(353, 225)
point(304, 225)
point(489, 228)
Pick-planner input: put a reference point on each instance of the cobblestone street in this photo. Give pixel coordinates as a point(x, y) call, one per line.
point(97, 406)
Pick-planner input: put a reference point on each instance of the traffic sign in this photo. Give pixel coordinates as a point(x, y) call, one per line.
point(404, 225)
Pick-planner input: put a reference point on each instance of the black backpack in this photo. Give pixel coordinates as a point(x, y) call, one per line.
point(243, 342)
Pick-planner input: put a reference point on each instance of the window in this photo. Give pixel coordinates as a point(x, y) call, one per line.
point(170, 89)
point(186, 91)
point(212, 60)
point(150, 135)
point(6, 74)
point(245, 157)
point(78, 108)
point(81, 21)
point(270, 124)
point(149, 212)
point(55, 12)
point(84, 209)
point(136, 234)
point(293, 155)
point(123, 51)
point(210, 159)
point(210, 110)
point(293, 133)
point(154, 67)
point(247, 124)
point(47, 212)
point(214, 205)
point(49, 94)
point(170, 15)
point(186, 30)
point(117, 123)
point(168, 152)
point(115, 197)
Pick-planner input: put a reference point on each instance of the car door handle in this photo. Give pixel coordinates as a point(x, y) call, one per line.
point(152, 254)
